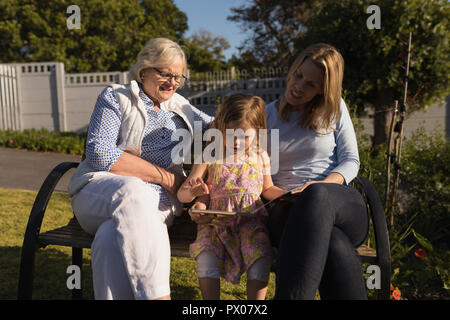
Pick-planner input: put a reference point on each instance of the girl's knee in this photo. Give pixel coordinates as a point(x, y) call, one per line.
point(260, 270)
point(207, 266)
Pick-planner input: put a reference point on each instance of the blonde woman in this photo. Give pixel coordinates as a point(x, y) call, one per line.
point(124, 192)
point(318, 155)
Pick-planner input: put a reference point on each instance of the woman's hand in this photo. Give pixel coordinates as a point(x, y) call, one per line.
point(333, 177)
point(303, 187)
point(200, 218)
point(172, 181)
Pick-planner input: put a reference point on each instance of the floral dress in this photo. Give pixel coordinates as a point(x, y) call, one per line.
point(237, 241)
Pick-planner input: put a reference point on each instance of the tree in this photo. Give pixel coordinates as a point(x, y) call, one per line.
point(274, 25)
point(375, 60)
point(205, 51)
point(111, 35)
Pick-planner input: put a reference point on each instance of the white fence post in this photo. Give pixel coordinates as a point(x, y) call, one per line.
point(61, 96)
point(17, 99)
point(123, 78)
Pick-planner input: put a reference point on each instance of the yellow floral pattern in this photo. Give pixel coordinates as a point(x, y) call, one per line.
point(237, 241)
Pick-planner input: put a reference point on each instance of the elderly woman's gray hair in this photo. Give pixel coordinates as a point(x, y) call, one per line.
point(158, 53)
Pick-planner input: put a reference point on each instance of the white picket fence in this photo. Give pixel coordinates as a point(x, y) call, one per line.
point(41, 95)
point(50, 98)
point(9, 98)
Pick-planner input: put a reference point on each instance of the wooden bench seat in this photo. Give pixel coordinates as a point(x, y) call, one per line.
point(182, 234)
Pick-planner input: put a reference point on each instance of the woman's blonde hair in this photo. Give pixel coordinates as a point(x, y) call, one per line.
point(324, 109)
point(158, 53)
point(243, 109)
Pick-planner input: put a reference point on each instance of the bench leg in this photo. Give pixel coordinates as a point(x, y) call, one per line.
point(77, 259)
point(385, 292)
point(25, 288)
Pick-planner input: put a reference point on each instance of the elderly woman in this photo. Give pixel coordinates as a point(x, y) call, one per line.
point(123, 192)
point(318, 156)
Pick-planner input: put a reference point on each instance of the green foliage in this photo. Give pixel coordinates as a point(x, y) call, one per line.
point(44, 140)
point(111, 35)
point(421, 217)
point(425, 185)
point(275, 25)
point(421, 269)
point(205, 51)
point(376, 59)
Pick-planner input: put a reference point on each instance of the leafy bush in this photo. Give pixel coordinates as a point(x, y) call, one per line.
point(425, 183)
point(420, 237)
point(43, 140)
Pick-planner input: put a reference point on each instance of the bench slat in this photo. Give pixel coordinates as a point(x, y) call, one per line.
point(182, 234)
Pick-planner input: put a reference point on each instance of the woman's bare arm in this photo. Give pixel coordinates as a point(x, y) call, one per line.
point(131, 165)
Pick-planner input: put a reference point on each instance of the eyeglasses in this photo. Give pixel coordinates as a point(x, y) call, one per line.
point(167, 76)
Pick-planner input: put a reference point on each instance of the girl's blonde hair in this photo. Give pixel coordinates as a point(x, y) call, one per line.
point(158, 53)
point(243, 109)
point(324, 109)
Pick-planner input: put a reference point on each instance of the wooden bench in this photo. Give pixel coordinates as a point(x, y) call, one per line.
point(181, 233)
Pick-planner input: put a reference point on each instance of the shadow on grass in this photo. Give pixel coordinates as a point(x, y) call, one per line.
point(181, 292)
point(49, 274)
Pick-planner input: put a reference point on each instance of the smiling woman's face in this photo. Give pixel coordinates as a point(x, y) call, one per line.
point(304, 85)
point(158, 88)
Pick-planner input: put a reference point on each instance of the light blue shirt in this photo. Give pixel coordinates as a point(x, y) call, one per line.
point(305, 155)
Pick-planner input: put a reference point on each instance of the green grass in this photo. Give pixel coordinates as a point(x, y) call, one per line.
point(51, 262)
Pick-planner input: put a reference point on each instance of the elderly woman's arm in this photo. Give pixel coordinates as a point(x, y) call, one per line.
point(102, 152)
point(131, 165)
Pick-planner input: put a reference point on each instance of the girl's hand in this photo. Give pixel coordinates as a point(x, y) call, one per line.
point(172, 181)
point(198, 187)
point(200, 218)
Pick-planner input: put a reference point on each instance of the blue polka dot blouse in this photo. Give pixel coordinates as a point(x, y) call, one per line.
point(103, 135)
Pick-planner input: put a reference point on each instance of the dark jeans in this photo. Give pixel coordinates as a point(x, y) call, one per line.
point(317, 237)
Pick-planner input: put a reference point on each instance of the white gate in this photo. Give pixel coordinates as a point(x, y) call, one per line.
point(10, 117)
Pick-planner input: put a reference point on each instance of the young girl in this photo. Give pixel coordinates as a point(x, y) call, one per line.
point(227, 245)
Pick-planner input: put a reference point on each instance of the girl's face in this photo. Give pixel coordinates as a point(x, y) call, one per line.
point(241, 141)
point(305, 84)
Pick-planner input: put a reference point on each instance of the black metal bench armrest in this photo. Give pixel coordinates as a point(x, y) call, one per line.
point(34, 225)
point(44, 194)
point(380, 229)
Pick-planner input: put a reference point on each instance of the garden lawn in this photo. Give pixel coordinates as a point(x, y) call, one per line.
point(51, 262)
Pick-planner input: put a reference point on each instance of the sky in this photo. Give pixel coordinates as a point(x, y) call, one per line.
point(212, 16)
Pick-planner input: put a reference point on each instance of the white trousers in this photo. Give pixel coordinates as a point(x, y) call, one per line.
point(131, 249)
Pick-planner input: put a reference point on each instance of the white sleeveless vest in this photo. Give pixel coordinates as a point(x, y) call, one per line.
point(132, 128)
